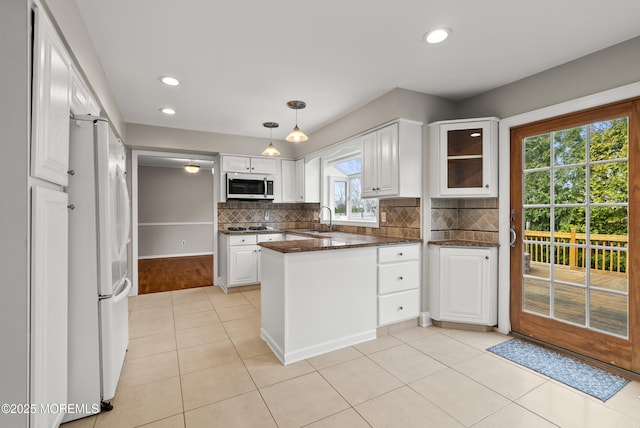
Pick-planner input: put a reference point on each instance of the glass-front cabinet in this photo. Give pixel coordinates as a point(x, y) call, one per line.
point(464, 158)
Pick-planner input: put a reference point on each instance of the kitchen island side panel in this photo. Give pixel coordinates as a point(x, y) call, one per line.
point(323, 300)
point(272, 300)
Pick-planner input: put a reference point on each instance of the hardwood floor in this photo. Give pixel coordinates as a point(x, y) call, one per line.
point(174, 273)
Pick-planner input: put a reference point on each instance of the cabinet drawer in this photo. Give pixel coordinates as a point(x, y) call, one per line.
point(396, 253)
point(398, 306)
point(242, 240)
point(395, 277)
point(270, 237)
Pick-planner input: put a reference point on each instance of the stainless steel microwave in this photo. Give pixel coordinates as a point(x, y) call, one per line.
point(249, 186)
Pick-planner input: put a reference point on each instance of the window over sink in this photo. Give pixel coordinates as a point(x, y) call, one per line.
point(342, 190)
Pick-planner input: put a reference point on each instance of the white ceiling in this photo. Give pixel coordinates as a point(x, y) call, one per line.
point(240, 61)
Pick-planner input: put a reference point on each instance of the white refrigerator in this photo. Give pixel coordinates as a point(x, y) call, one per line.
point(99, 224)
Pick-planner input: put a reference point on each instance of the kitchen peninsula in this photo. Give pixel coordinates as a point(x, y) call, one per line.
point(326, 292)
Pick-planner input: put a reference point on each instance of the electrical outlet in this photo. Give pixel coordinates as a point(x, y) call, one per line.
point(183, 242)
point(384, 217)
point(266, 215)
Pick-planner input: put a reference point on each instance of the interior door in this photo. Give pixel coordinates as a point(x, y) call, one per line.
point(575, 189)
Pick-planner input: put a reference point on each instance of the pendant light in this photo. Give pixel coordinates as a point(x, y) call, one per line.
point(296, 136)
point(192, 167)
point(271, 149)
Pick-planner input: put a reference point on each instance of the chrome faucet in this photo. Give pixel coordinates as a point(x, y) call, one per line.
point(330, 219)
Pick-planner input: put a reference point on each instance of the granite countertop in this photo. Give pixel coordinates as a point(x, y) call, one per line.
point(332, 241)
point(250, 232)
point(463, 243)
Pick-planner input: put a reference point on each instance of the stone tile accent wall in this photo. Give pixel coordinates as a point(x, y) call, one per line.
point(403, 220)
point(470, 219)
point(281, 216)
point(403, 217)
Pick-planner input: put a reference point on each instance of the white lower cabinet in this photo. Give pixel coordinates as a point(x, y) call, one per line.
point(239, 258)
point(398, 283)
point(243, 267)
point(49, 292)
point(463, 284)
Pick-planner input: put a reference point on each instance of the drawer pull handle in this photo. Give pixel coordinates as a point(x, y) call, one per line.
point(400, 308)
point(400, 254)
point(400, 278)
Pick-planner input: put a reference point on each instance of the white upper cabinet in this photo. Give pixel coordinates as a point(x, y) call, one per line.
point(82, 102)
point(293, 185)
point(312, 180)
point(392, 161)
point(247, 164)
point(51, 104)
point(464, 158)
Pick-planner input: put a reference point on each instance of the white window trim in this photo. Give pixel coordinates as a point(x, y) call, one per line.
point(374, 223)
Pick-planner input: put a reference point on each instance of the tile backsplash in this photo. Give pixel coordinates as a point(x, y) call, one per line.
point(469, 219)
point(277, 216)
point(403, 217)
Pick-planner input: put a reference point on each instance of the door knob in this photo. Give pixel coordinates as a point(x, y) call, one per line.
point(512, 236)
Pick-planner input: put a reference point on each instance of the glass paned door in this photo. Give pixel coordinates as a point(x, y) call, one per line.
point(571, 202)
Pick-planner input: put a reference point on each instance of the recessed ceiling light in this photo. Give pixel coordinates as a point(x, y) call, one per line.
point(167, 110)
point(438, 35)
point(476, 134)
point(169, 81)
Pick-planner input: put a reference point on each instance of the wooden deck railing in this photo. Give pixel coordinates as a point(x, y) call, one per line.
point(608, 253)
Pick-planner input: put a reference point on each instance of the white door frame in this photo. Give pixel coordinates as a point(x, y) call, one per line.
point(135, 154)
point(504, 285)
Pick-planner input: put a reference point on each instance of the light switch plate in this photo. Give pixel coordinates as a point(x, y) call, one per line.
point(384, 217)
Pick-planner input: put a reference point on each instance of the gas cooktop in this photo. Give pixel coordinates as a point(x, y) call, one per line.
point(244, 229)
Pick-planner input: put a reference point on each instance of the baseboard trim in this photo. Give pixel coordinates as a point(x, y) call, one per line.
point(168, 256)
point(425, 319)
point(315, 350)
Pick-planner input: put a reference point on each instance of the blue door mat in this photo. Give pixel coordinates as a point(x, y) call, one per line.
point(568, 370)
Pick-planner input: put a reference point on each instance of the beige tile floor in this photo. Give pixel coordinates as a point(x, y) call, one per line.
point(195, 359)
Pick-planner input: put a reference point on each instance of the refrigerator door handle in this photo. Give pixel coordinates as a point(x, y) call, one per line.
point(124, 292)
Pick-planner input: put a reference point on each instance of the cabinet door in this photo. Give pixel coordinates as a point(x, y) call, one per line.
point(288, 181)
point(243, 267)
point(236, 164)
point(263, 166)
point(387, 164)
point(299, 180)
point(312, 180)
point(49, 301)
point(465, 283)
point(369, 165)
point(466, 155)
point(51, 105)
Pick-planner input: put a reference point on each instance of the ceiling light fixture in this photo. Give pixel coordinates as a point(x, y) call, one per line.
point(192, 167)
point(436, 36)
point(271, 149)
point(169, 81)
point(296, 136)
point(475, 134)
point(168, 110)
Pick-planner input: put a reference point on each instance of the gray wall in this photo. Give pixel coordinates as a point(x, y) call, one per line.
point(14, 227)
point(171, 195)
point(147, 137)
point(606, 69)
point(398, 103)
